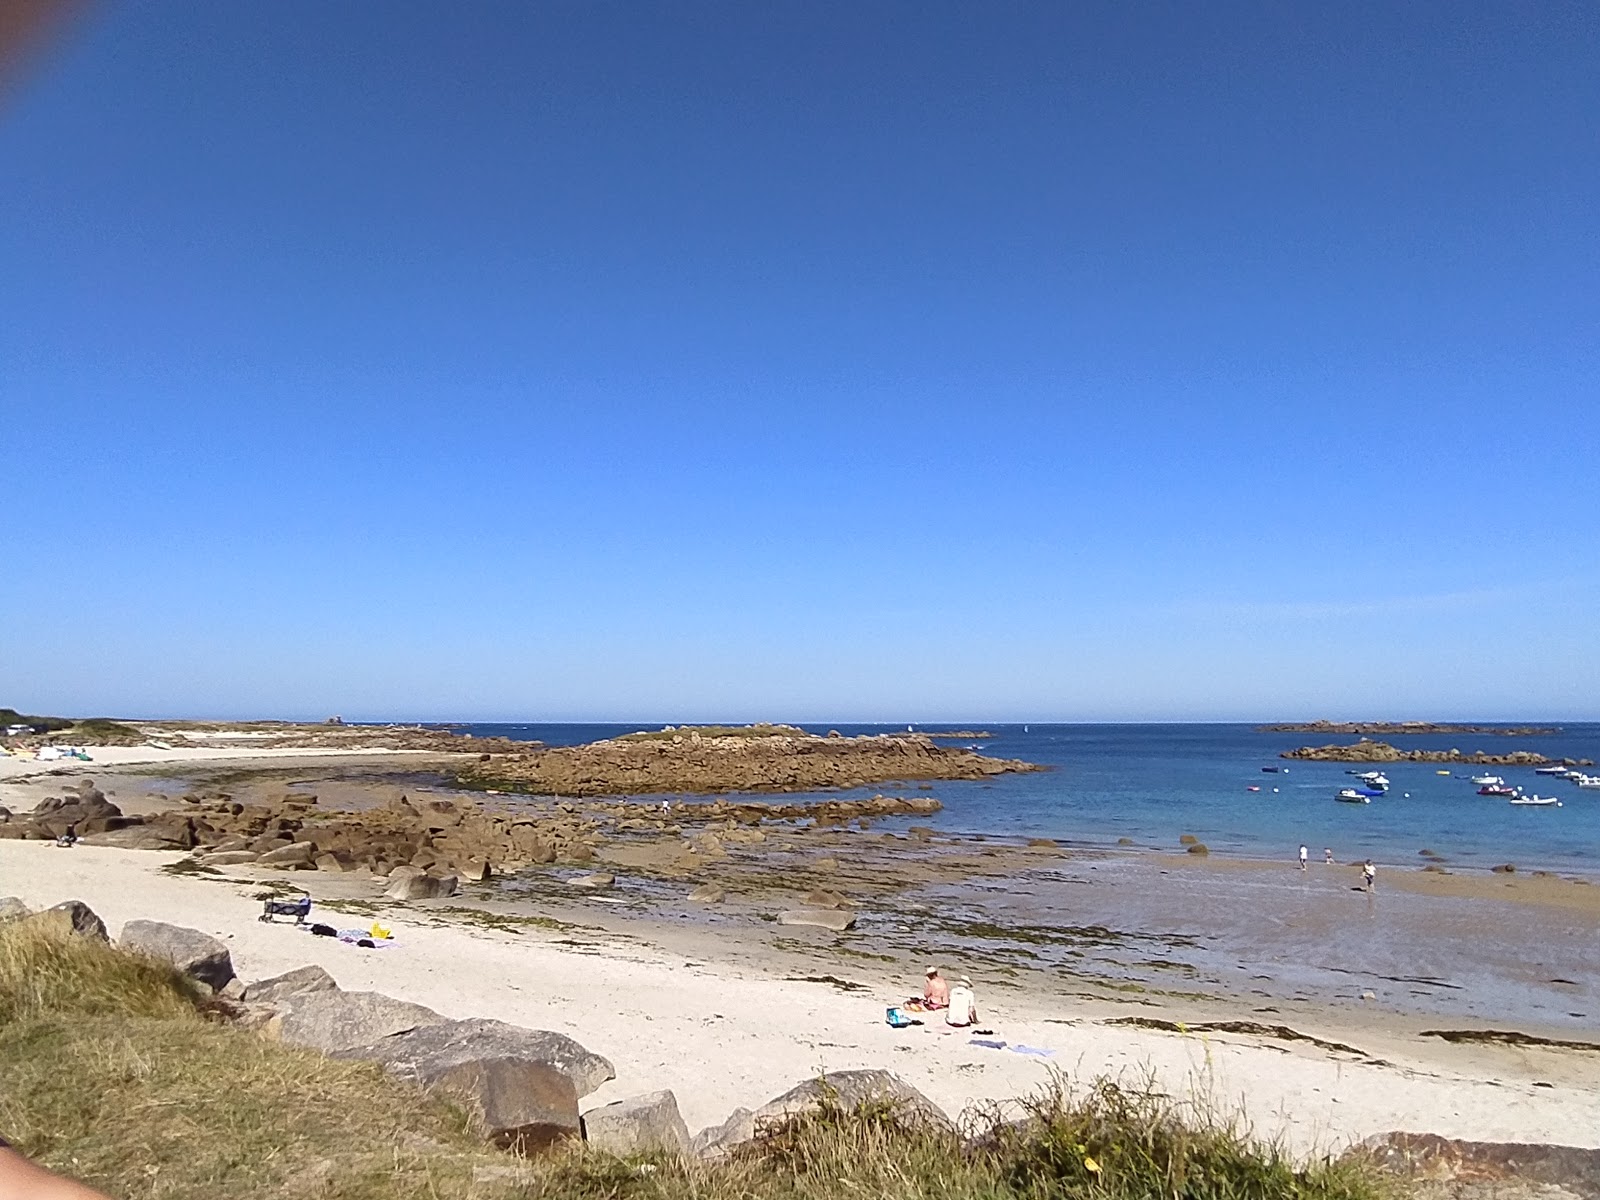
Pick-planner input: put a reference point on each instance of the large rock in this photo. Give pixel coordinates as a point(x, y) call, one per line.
point(717, 1141)
point(227, 858)
point(198, 955)
point(12, 909)
point(639, 1125)
point(72, 916)
point(849, 1089)
point(135, 837)
point(825, 898)
point(708, 893)
point(835, 919)
point(295, 854)
point(521, 1084)
point(412, 884)
point(459, 1041)
point(335, 1021)
point(290, 983)
point(1440, 1167)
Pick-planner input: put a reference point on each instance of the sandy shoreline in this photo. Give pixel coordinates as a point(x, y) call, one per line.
point(728, 1010)
point(729, 1031)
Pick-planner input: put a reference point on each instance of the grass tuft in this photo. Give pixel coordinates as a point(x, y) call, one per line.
point(47, 971)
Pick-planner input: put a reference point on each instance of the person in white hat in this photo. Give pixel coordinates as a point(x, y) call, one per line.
point(935, 992)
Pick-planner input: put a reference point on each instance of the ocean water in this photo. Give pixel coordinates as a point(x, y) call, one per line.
point(1154, 783)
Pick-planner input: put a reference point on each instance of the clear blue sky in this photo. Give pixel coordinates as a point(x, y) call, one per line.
point(820, 361)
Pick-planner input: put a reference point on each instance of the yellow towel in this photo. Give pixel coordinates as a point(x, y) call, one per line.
point(378, 931)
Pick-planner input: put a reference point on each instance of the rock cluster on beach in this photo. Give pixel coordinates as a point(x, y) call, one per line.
point(1367, 750)
point(424, 845)
point(688, 761)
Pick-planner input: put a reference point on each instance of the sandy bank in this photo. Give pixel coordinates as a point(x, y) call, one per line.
point(111, 758)
point(723, 1032)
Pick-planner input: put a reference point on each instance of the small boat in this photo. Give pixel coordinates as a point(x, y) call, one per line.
point(1552, 769)
point(1270, 770)
point(1253, 788)
point(1497, 789)
point(1588, 781)
point(1536, 801)
point(1488, 780)
point(1375, 779)
point(1441, 772)
point(1351, 796)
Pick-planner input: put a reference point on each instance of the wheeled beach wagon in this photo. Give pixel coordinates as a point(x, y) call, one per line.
point(298, 909)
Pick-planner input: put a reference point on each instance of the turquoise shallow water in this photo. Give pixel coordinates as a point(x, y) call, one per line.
point(1153, 783)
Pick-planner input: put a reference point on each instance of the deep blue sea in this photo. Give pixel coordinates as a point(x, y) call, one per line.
point(1153, 783)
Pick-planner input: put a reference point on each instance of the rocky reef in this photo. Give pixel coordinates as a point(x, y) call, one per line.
point(438, 837)
point(1392, 728)
point(763, 759)
point(1369, 751)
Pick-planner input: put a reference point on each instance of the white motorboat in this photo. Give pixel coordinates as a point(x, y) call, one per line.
point(1351, 796)
point(1488, 781)
point(1588, 781)
point(1535, 802)
point(1376, 780)
point(1552, 769)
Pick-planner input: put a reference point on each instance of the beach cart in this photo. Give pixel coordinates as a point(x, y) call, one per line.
point(298, 909)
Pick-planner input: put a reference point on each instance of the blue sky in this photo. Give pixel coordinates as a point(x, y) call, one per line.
point(822, 361)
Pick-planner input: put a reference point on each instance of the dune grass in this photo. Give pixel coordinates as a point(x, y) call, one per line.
point(113, 1070)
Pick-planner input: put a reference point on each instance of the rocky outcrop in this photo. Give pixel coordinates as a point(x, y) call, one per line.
point(640, 1125)
point(415, 1052)
point(412, 883)
point(137, 837)
point(198, 955)
point(290, 983)
point(1368, 751)
point(850, 1089)
point(87, 813)
point(522, 1085)
point(845, 1089)
point(1392, 728)
point(1436, 1167)
point(768, 759)
point(333, 1021)
point(12, 909)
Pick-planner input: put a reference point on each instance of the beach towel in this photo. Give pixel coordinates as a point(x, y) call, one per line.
point(1021, 1049)
point(987, 1043)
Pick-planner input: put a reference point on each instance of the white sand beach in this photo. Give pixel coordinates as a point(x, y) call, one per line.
point(728, 1030)
point(16, 766)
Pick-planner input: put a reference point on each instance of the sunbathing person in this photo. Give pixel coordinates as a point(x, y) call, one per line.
point(935, 992)
point(963, 1004)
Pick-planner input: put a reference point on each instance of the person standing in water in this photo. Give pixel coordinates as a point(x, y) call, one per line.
point(1303, 853)
point(1369, 875)
point(1327, 856)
